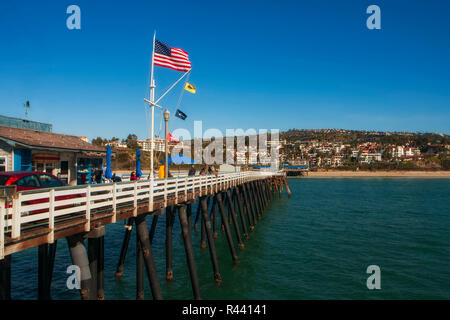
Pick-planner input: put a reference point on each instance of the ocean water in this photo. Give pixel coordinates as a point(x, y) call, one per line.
point(315, 245)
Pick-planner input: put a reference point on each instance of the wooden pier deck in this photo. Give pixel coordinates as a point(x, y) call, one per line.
point(40, 217)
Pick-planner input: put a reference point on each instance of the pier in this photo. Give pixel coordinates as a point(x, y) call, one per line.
point(39, 218)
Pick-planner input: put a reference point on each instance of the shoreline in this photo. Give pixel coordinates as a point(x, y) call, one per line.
point(381, 174)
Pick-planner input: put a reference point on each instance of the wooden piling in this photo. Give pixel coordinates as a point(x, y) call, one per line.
point(211, 245)
point(139, 271)
point(226, 228)
point(189, 217)
point(197, 215)
point(254, 196)
point(153, 226)
point(189, 252)
point(234, 220)
point(43, 273)
point(287, 186)
point(261, 196)
point(202, 233)
point(93, 263)
point(123, 251)
point(51, 263)
point(258, 198)
point(249, 203)
point(141, 229)
point(101, 269)
point(246, 206)
point(80, 258)
point(237, 200)
point(170, 217)
point(214, 217)
point(5, 278)
point(259, 185)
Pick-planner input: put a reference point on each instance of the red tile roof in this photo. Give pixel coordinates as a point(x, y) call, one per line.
point(43, 139)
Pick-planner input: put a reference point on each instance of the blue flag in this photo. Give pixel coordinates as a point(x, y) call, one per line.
point(180, 114)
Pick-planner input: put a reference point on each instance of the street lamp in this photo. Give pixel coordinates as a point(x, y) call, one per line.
point(166, 168)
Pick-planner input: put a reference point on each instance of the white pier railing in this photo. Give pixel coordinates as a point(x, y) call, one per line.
point(41, 207)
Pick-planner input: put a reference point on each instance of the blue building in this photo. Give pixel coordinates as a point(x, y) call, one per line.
point(31, 146)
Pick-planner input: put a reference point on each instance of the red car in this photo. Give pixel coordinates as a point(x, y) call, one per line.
point(29, 180)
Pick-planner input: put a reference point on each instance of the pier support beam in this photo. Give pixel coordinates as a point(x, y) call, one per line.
point(46, 261)
point(287, 187)
point(96, 262)
point(237, 200)
point(197, 215)
point(101, 269)
point(249, 204)
point(213, 218)
point(189, 252)
point(211, 245)
point(123, 251)
point(170, 217)
point(43, 273)
point(153, 226)
point(242, 198)
point(234, 220)
point(202, 233)
point(93, 263)
point(5, 278)
point(142, 233)
point(259, 186)
point(51, 263)
point(189, 217)
point(226, 228)
point(80, 259)
point(256, 199)
point(139, 271)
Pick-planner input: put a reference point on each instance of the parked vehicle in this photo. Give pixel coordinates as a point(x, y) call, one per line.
point(31, 180)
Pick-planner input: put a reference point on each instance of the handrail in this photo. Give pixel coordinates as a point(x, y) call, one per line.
point(43, 206)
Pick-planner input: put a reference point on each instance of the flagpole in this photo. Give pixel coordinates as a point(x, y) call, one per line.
point(152, 105)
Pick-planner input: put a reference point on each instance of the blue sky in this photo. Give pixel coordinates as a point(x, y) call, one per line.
point(256, 64)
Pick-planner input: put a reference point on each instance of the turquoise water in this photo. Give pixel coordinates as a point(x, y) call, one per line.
point(315, 245)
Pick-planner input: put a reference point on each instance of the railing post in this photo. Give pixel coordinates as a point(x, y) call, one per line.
point(114, 203)
point(176, 190)
point(87, 227)
point(165, 191)
point(51, 216)
point(135, 200)
point(2, 228)
point(150, 190)
point(15, 231)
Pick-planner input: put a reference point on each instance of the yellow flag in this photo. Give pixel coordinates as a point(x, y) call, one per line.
point(189, 87)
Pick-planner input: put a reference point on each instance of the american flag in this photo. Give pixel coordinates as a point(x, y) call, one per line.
point(174, 58)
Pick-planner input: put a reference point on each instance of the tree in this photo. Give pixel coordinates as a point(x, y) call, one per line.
point(131, 141)
point(98, 141)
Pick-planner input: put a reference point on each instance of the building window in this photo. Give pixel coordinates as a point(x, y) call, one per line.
point(49, 166)
point(3, 164)
point(64, 167)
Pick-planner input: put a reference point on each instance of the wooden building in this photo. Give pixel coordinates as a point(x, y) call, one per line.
point(68, 157)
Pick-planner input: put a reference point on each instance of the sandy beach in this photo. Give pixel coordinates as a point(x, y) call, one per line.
point(354, 174)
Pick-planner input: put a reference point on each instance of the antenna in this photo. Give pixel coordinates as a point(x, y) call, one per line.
point(27, 107)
